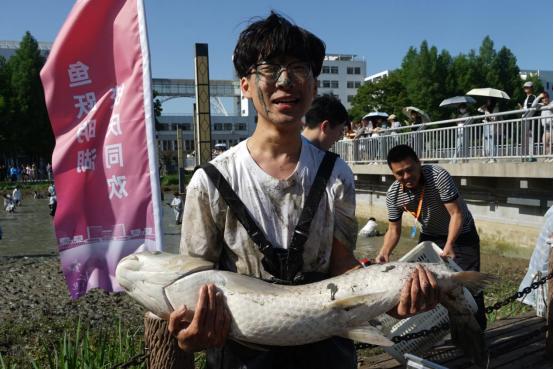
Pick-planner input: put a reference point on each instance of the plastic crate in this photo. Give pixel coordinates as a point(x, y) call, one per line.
point(540, 296)
point(425, 252)
point(414, 362)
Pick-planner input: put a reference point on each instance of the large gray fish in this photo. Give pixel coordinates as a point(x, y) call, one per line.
point(269, 314)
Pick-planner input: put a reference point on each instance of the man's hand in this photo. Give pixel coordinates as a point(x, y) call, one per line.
point(382, 258)
point(209, 326)
point(448, 252)
point(420, 293)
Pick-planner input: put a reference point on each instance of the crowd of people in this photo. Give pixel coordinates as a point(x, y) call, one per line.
point(376, 124)
point(25, 172)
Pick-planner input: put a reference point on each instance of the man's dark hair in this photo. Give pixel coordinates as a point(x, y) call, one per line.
point(274, 37)
point(326, 107)
point(401, 152)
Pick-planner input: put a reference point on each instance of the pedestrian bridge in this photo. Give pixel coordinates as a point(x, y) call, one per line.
point(186, 87)
point(502, 166)
point(497, 145)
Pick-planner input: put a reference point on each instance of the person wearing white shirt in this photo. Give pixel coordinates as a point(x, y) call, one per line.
point(543, 101)
point(177, 206)
point(16, 196)
point(370, 229)
point(489, 130)
point(527, 124)
point(461, 132)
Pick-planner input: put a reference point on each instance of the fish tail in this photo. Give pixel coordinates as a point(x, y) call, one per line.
point(474, 281)
point(464, 329)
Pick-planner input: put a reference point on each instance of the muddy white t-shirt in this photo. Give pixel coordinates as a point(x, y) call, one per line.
point(211, 231)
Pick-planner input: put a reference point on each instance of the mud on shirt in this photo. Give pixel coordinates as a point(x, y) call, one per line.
point(211, 231)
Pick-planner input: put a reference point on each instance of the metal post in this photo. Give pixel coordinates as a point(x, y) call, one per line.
point(162, 349)
point(180, 161)
point(203, 134)
point(181, 171)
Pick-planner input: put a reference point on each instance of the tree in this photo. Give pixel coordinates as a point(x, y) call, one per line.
point(30, 130)
point(426, 77)
point(4, 106)
point(388, 94)
point(487, 55)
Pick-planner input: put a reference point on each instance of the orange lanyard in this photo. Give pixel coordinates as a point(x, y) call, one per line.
point(418, 213)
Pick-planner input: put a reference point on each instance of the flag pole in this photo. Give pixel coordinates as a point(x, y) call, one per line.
point(161, 348)
point(150, 126)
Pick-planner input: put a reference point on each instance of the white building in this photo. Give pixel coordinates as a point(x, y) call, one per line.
point(341, 76)
point(229, 130)
point(377, 76)
point(8, 48)
point(545, 77)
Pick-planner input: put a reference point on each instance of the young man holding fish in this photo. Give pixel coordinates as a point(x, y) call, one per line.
point(272, 173)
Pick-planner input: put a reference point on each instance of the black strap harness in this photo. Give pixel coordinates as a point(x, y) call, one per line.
point(284, 264)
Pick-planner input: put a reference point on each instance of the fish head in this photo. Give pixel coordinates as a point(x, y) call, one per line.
point(144, 276)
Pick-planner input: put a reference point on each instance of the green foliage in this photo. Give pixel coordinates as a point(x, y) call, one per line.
point(170, 179)
point(427, 76)
point(76, 349)
point(24, 124)
point(386, 95)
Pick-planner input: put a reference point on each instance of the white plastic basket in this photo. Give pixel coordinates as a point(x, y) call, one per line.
point(425, 252)
point(540, 296)
point(414, 362)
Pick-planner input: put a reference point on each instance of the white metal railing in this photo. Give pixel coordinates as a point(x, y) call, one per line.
point(491, 137)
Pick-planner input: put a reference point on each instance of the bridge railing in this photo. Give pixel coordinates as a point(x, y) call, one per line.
point(504, 135)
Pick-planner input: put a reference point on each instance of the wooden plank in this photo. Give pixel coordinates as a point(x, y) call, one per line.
point(530, 356)
point(514, 325)
point(516, 342)
point(385, 361)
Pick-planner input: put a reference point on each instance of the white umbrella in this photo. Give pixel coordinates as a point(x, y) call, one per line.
point(408, 109)
point(457, 100)
point(375, 114)
point(489, 92)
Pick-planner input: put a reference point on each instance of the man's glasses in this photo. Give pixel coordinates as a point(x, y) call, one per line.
point(270, 73)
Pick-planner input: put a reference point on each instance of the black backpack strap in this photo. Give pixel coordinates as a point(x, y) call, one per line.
point(237, 206)
point(284, 264)
point(302, 230)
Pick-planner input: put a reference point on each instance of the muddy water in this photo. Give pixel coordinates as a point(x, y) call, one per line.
point(30, 231)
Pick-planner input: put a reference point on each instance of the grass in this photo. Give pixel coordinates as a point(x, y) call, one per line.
point(25, 187)
point(78, 349)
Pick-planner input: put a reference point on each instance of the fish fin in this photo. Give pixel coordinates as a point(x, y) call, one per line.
point(474, 281)
point(350, 302)
point(367, 334)
point(464, 329)
point(251, 345)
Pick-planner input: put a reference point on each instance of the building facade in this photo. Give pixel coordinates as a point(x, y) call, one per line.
point(229, 130)
point(377, 76)
point(341, 76)
point(8, 48)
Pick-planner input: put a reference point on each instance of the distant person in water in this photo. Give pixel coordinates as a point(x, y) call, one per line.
point(370, 229)
point(177, 205)
point(9, 205)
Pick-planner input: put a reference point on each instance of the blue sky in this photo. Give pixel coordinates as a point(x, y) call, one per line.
point(380, 31)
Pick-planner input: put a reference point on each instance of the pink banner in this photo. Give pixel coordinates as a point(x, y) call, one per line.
point(97, 87)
